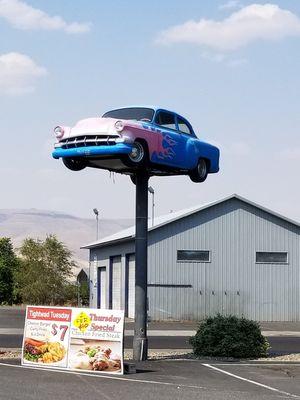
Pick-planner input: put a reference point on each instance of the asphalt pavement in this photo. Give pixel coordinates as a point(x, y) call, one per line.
point(279, 345)
point(164, 379)
point(162, 335)
point(182, 380)
point(14, 317)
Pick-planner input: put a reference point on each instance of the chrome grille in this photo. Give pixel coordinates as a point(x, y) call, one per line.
point(89, 141)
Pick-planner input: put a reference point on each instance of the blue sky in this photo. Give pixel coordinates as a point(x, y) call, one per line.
point(245, 99)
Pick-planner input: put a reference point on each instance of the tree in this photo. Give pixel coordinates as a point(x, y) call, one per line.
point(84, 293)
point(8, 264)
point(44, 271)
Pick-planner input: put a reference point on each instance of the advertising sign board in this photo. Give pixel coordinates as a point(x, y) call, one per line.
point(74, 338)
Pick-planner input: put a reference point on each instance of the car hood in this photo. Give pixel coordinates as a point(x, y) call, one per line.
point(92, 127)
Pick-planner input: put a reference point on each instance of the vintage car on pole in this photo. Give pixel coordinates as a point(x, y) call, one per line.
point(127, 139)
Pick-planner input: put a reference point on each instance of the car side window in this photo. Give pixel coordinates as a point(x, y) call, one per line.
point(165, 119)
point(183, 127)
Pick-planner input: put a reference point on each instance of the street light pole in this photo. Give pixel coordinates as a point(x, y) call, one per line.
point(96, 212)
point(151, 190)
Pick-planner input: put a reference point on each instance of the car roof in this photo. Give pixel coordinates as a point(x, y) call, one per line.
point(155, 108)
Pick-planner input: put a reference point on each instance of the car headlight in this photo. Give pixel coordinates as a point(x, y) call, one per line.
point(119, 126)
point(59, 132)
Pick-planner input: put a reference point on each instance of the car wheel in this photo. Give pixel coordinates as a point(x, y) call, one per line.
point(199, 174)
point(74, 164)
point(138, 156)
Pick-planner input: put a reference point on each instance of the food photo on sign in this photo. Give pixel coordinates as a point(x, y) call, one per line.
point(96, 342)
point(94, 356)
point(46, 336)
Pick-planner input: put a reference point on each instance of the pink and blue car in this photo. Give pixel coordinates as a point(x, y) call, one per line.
point(127, 139)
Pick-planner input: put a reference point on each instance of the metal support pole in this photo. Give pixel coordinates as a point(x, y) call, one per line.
point(153, 209)
point(140, 341)
point(97, 232)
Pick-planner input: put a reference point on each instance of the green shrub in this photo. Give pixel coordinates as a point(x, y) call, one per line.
point(229, 336)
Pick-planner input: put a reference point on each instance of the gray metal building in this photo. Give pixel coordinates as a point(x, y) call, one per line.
point(231, 256)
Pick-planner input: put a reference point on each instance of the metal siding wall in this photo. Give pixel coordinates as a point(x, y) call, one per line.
point(271, 291)
point(116, 282)
point(131, 285)
point(232, 282)
point(100, 257)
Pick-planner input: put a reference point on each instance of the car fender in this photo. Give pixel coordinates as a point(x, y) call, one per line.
point(198, 149)
point(145, 132)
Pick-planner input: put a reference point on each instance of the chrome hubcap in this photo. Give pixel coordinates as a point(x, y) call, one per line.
point(137, 153)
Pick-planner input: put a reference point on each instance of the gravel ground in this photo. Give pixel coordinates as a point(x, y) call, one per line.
point(173, 354)
point(10, 354)
point(153, 355)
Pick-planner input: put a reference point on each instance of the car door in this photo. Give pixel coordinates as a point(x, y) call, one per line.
point(170, 141)
point(188, 143)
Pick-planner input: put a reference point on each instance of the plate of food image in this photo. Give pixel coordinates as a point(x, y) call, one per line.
point(37, 351)
point(94, 356)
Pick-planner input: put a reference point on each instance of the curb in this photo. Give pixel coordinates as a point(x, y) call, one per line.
point(161, 356)
point(164, 333)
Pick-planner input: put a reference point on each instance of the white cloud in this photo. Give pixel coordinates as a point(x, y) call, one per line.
point(229, 5)
point(249, 24)
point(219, 58)
point(291, 154)
point(18, 73)
point(23, 16)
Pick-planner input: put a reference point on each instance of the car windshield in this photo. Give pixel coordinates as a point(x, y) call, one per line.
point(132, 113)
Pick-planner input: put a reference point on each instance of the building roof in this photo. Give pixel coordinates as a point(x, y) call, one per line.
point(129, 233)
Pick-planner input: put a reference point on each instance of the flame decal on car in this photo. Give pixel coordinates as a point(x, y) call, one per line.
point(165, 147)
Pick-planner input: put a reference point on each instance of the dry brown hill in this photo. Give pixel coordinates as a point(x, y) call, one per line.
point(73, 231)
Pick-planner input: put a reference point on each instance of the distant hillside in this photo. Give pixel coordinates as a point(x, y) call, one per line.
point(73, 231)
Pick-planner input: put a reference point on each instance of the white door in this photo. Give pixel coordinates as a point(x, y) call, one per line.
point(131, 285)
point(101, 287)
point(116, 283)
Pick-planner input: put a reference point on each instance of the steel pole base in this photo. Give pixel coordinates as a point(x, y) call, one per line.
point(140, 348)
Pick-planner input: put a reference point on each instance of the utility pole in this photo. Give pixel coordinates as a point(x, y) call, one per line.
point(140, 341)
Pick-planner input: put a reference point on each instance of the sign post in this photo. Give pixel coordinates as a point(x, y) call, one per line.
point(140, 341)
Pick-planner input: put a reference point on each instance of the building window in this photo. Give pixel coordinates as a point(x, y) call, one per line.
point(193, 256)
point(271, 257)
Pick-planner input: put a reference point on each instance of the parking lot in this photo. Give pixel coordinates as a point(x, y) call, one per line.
point(155, 380)
point(164, 379)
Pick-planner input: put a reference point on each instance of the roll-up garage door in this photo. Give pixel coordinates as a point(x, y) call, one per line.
point(116, 269)
point(101, 299)
point(130, 295)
